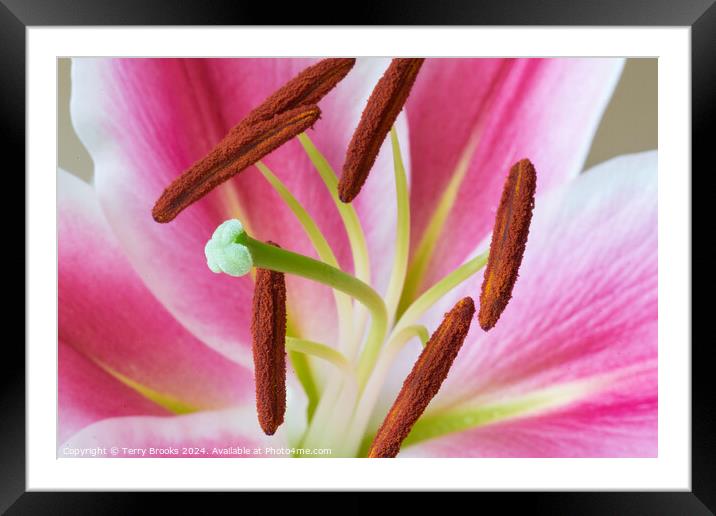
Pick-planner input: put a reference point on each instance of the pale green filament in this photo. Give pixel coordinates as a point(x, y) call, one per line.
point(347, 212)
point(402, 229)
point(440, 289)
point(420, 331)
point(305, 376)
point(303, 370)
point(318, 350)
point(320, 244)
point(354, 230)
point(361, 266)
point(433, 231)
point(400, 260)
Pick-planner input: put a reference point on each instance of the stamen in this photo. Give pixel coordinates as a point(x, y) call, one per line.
point(243, 146)
point(509, 238)
point(383, 107)
point(268, 328)
point(353, 228)
point(424, 381)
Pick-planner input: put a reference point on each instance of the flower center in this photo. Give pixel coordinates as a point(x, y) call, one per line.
point(339, 414)
point(348, 400)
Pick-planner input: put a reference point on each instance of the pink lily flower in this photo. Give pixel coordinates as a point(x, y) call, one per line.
point(155, 349)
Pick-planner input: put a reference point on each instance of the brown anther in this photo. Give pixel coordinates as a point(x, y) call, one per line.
point(385, 103)
point(268, 328)
point(424, 381)
point(242, 147)
point(286, 113)
point(509, 237)
point(307, 88)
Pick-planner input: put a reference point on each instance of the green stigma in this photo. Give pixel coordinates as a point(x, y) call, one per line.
point(225, 254)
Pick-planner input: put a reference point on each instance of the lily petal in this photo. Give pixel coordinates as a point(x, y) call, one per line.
point(546, 110)
point(618, 421)
point(583, 309)
point(107, 315)
point(207, 434)
point(87, 393)
point(144, 121)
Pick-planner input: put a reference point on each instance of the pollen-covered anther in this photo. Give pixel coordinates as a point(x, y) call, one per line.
point(242, 147)
point(384, 104)
point(509, 238)
point(286, 113)
point(307, 88)
point(268, 329)
point(424, 381)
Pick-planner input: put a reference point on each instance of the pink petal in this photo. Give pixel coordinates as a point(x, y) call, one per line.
point(192, 435)
point(86, 393)
point(108, 315)
point(584, 306)
point(619, 421)
point(145, 120)
point(544, 109)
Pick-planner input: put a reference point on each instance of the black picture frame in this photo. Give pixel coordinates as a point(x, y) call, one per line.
point(17, 15)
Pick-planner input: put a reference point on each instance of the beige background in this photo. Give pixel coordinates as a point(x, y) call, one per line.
point(629, 123)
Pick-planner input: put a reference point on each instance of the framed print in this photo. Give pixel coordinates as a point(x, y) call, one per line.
point(463, 251)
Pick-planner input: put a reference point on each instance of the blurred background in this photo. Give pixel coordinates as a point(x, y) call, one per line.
point(629, 123)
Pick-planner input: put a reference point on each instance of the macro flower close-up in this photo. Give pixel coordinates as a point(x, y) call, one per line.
point(355, 258)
